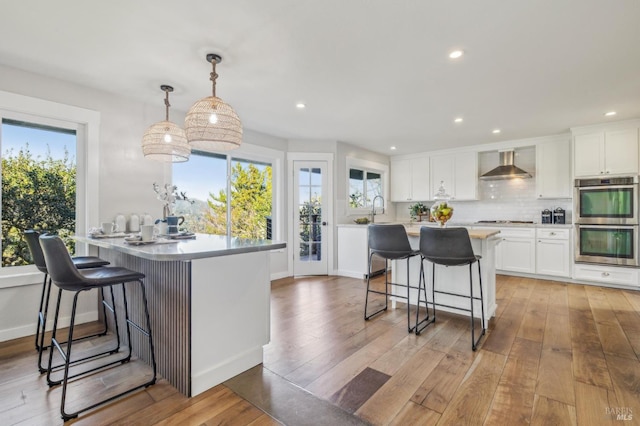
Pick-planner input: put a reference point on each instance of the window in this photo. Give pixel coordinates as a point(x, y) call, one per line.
point(239, 206)
point(38, 184)
point(366, 181)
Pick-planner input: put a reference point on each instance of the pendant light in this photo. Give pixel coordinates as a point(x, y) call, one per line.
point(211, 124)
point(165, 141)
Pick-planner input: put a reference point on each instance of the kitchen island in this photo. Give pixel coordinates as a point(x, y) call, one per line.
point(454, 279)
point(209, 303)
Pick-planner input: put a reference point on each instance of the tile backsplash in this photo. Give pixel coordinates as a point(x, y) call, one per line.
point(513, 199)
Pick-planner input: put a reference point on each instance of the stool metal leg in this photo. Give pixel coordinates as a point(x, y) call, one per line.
point(386, 291)
point(41, 324)
point(422, 286)
point(43, 321)
point(474, 342)
point(130, 324)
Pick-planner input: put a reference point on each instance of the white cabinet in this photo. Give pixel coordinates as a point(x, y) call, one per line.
point(410, 179)
point(606, 274)
point(517, 250)
point(353, 252)
point(610, 152)
point(553, 252)
point(553, 170)
point(459, 172)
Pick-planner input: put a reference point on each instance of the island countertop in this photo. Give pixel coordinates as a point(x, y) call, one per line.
point(203, 246)
point(480, 234)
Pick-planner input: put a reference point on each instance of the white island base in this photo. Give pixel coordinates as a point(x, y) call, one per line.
point(453, 279)
point(209, 304)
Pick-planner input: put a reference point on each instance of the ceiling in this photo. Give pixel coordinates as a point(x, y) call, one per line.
point(373, 73)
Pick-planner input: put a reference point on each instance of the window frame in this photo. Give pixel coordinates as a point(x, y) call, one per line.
point(366, 166)
point(86, 123)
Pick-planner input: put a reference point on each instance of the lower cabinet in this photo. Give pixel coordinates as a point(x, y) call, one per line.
point(517, 250)
point(553, 252)
point(353, 252)
point(606, 274)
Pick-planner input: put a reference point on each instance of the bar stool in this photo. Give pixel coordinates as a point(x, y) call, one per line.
point(390, 242)
point(81, 262)
point(68, 277)
point(448, 247)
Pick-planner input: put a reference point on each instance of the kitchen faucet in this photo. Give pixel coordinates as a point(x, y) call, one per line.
point(373, 207)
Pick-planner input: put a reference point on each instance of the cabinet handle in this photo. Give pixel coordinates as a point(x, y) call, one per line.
point(605, 274)
point(552, 233)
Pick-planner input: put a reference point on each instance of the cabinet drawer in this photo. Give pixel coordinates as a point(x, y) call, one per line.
point(553, 234)
point(606, 274)
point(517, 232)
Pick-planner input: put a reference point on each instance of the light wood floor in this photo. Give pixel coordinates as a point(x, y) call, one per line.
point(555, 354)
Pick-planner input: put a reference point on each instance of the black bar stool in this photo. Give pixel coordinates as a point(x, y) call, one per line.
point(390, 242)
point(448, 247)
point(81, 262)
point(66, 276)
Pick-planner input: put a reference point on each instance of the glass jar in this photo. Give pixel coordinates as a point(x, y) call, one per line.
point(441, 211)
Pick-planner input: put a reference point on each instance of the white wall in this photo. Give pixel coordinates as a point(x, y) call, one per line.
point(125, 176)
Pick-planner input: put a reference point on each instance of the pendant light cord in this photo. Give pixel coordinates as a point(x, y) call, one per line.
point(213, 76)
point(166, 104)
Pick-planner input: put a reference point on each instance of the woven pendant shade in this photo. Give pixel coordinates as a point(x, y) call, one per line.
point(211, 124)
point(166, 141)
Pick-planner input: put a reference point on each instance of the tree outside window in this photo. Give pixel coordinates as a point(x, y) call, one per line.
point(241, 207)
point(38, 185)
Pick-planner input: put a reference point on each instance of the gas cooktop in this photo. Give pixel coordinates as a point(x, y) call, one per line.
point(504, 221)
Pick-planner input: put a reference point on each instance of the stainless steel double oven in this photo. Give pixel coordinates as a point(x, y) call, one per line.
point(606, 212)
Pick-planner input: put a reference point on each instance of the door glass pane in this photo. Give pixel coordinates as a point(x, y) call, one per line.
point(310, 228)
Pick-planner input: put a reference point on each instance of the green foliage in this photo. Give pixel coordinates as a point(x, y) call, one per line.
point(36, 194)
point(251, 199)
point(310, 229)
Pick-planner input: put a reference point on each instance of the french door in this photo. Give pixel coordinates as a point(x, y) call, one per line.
point(310, 215)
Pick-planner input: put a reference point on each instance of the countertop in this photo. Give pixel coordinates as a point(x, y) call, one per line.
point(201, 247)
point(479, 234)
point(467, 225)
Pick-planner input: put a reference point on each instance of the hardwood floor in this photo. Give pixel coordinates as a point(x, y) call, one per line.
point(554, 354)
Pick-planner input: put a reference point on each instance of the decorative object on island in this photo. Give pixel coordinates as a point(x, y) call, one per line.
point(211, 124)
point(169, 194)
point(441, 211)
point(166, 141)
point(418, 210)
point(361, 220)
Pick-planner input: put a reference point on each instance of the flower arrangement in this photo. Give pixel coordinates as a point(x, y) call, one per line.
point(169, 194)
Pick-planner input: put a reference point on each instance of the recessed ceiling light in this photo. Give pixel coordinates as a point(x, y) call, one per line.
point(392, 148)
point(301, 105)
point(456, 54)
point(458, 120)
point(496, 131)
point(610, 113)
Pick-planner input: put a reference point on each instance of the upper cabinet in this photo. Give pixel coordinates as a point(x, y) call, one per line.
point(410, 179)
point(606, 153)
point(459, 172)
point(553, 169)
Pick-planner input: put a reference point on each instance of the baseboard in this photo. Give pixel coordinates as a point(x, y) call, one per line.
point(231, 367)
point(30, 329)
point(279, 275)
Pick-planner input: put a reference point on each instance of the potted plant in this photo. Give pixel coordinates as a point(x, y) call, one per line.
point(418, 210)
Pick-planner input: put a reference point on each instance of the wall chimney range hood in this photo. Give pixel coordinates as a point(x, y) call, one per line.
point(506, 169)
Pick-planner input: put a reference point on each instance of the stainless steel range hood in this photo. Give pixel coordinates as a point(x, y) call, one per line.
point(506, 169)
